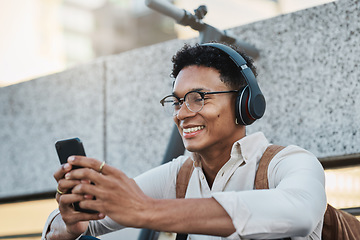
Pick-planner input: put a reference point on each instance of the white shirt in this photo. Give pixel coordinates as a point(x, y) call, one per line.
point(293, 206)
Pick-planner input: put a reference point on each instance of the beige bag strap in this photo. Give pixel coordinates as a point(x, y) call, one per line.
point(261, 179)
point(183, 178)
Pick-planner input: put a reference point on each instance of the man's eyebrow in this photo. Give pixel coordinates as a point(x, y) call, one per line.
point(200, 89)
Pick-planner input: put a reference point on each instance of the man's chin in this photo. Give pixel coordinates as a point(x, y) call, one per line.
point(192, 148)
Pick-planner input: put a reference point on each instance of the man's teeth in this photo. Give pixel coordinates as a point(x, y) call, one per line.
point(194, 129)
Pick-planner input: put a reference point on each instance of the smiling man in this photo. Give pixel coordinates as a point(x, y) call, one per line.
point(215, 95)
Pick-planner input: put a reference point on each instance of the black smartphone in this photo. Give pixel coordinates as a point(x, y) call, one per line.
point(69, 147)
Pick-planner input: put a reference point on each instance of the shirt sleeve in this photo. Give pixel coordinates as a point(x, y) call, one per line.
point(48, 222)
point(102, 226)
point(293, 206)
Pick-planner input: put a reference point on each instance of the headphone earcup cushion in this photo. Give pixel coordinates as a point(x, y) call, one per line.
point(242, 112)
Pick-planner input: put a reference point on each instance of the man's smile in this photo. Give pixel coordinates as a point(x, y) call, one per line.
point(190, 132)
point(193, 129)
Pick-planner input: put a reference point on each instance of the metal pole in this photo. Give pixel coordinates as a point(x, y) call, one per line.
point(207, 32)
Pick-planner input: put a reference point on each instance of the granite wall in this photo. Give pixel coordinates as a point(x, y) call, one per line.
point(308, 71)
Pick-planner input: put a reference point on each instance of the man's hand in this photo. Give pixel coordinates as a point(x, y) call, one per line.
point(70, 224)
point(117, 196)
point(58, 230)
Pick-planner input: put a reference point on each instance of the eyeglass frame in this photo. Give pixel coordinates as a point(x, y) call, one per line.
point(202, 94)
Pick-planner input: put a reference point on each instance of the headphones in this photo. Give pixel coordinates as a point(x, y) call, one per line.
point(250, 102)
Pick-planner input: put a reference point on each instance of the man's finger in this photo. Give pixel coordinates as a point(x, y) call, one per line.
point(65, 185)
point(59, 174)
point(83, 174)
point(91, 163)
point(87, 189)
point(71, 216)
point(81, 216)
point(84, 162)
point(66, 201)
point(92, 204)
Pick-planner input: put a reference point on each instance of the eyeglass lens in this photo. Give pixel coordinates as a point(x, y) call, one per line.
point(193, 100)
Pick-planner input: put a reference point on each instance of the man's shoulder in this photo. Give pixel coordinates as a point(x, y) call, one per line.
point(175, 164)
point(294, 158)
point(295, 151)
point(180, 160)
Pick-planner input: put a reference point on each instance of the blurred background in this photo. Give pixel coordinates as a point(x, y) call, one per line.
point(42, 37)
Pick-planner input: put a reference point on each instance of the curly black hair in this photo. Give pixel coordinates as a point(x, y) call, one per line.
point(212, 57)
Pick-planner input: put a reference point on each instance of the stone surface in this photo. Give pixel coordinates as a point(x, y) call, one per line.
point(138, 129)
point(308, 71)
point(35, 114)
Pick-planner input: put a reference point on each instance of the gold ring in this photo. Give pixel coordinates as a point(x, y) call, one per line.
point(101, 167)
point(58, 191)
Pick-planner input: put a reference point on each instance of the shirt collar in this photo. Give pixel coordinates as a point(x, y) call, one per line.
point(249, 147)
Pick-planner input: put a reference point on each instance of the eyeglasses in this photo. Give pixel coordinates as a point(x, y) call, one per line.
point(194, 101)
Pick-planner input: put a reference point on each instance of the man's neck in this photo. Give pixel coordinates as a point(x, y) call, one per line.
point(212, 163)
point(215, 157)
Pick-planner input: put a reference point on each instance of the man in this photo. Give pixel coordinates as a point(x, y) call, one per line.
point(220, 198)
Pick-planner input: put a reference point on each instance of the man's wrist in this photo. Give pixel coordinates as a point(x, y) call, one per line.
point(48, 223)
point(149, 214)
point(157, 213)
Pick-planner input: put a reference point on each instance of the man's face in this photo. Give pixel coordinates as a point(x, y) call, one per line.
point(213, 128)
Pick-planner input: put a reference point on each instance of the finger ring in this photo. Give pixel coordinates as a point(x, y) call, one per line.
point(101, 167)
point(58, 191)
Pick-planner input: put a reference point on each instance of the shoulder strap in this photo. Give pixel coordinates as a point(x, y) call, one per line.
point(182, 182)
point(183, 177)
point(261, 179)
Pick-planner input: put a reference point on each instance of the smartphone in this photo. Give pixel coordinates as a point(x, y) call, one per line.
point(65, 149)
point(69, 147)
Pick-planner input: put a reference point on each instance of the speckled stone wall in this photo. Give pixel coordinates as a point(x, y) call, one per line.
point(34, 114)
point(308, 71)
point(138, 130)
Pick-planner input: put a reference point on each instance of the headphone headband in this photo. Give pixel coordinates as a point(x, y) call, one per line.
point(256, 101)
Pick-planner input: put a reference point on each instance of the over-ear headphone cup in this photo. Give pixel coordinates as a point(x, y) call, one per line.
point(242, 111)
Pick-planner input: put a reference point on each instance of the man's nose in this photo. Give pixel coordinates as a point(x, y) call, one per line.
point(184, 112)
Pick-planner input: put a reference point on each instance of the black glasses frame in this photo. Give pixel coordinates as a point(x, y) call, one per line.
point(202, 94)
